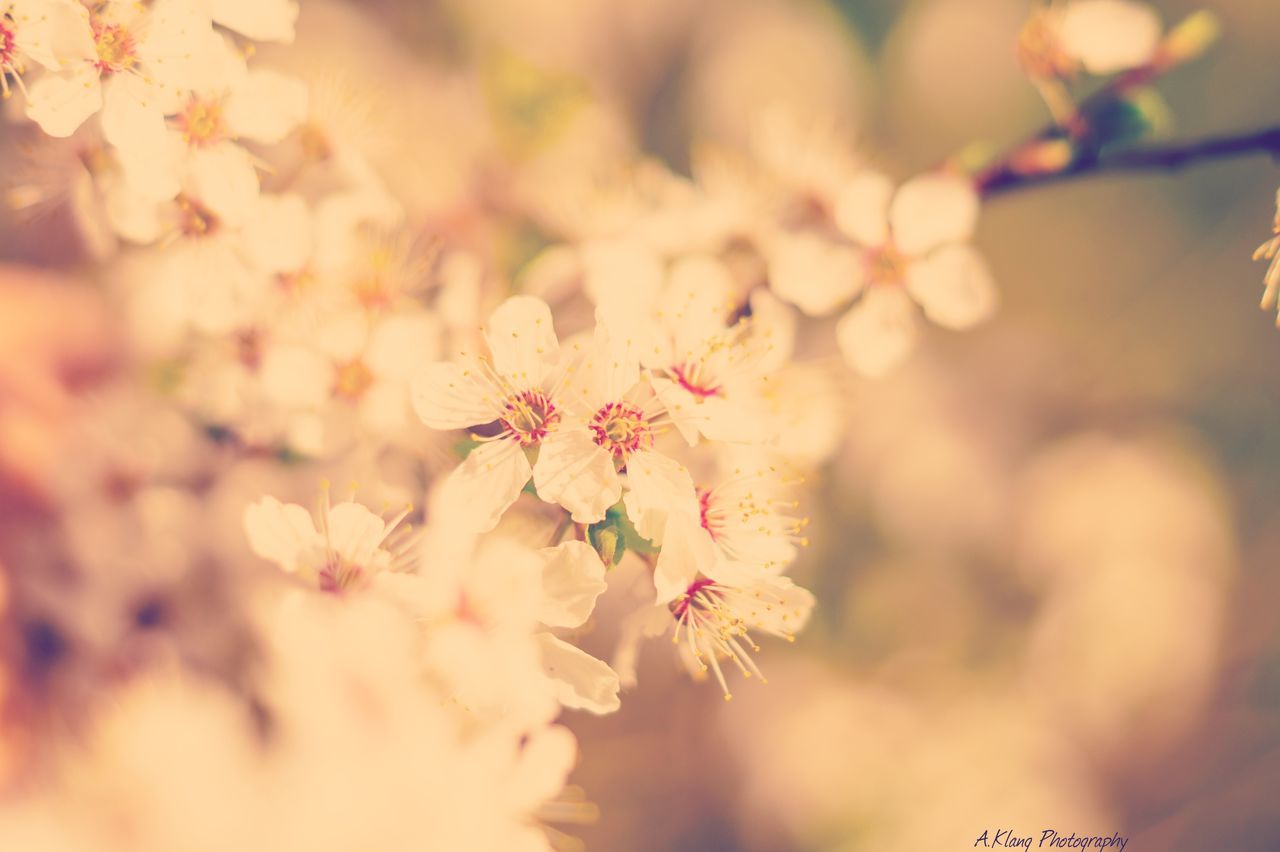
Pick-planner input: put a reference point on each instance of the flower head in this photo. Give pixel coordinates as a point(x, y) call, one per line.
point(714, 622)
point(894, 248)
point(341, 550)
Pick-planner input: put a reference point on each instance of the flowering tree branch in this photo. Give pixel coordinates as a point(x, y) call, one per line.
point(1005, 176)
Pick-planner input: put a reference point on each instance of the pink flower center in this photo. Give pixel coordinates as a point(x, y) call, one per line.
point(689, 377)
point(7, 45)
point(681, 605)
point(194, 219)
point(622, 429)
point(351, 380)
point(704, 508)
point(529, 416)
point(115, 47)
point(200, 123)
point(886, 265)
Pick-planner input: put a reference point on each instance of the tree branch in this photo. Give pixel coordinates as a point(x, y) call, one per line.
point(1003, 178)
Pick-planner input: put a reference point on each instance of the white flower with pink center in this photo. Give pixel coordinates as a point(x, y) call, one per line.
point(514, 394)
point(44, 32)
point(714, 623)
point(613, 418)
point(893, 249)
point(706, 364)
point(349, 373)
point(735, 532)
point(215, 273)
point(202, 147)
point(341, 549)
point(133, 63)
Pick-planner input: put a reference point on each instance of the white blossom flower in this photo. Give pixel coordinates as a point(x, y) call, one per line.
point(202, 149)
point(713, 625)
point(612, 419)
point(517, 387)
point(140, 61)
point(488, 604)
point(705, 365)
point(897, 247)
point(45, 32)
point(1098, 36)
point(735, 532)
point(346, 360)
point(217, 270)
point(348, 546)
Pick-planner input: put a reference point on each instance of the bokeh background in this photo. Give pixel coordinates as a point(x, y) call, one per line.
point(1045, 555)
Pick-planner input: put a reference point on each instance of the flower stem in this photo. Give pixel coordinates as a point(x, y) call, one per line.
point(1003, 178)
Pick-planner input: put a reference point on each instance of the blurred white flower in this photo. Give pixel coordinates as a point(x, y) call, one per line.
point(133, 63)
point(1098, 36)
point(897, 247)
point(46, 32)
point(201, 150)
point(348, 546)
point(705, 365)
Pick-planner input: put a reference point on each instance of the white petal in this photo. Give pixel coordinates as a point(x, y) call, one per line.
point(1109, 35)
point(224, 178)
point(266, 106)
point(600, 371)
point(813, 273)
point(158, 174)
point(954, 286)
point(277, 233)
point(687, 550)
point(658, 487)
point(581, 681)
point(487, 482)
point(355, 532)
point(53, 33)
point(681, 405)
point(279, 531)
point(577, 473)
point(260, 20)
point(623, 279)
point(177, 47)
point(931, 210)
point(522, 338)
point(60, 102)
point(789, 609)
point(862, 208)
point(296, 376)
point(544, 765)
point(644, 623)
point(449, 396)
point(879, 331)
point(572, 579)
point(132, 119)
point(130, 215)
point(696, 301)
point(401, 342)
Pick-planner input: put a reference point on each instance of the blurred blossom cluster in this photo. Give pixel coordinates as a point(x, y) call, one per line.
point(397, 372)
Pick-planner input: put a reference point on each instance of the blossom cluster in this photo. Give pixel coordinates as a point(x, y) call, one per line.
point(554, 457)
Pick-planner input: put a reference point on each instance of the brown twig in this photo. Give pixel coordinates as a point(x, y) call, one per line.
point(1004, 179)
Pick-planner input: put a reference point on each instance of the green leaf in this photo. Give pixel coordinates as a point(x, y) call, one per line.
point(613, 536)
point(1128, 119)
